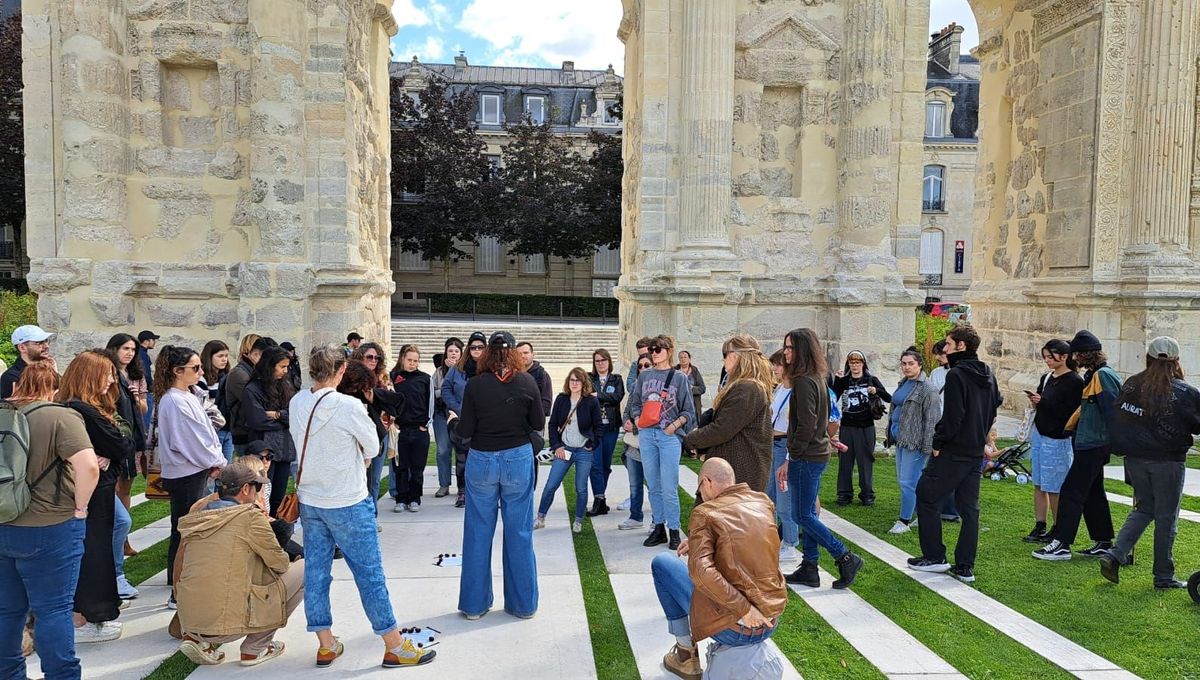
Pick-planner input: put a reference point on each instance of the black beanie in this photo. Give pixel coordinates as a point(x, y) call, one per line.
point(1084, 341)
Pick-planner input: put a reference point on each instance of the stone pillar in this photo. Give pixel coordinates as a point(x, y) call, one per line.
point(1164, 132)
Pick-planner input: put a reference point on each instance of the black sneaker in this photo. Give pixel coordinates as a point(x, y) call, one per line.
point(848, 568)
point(844, 501)
point(1110, 567)
point(1038, 535)
point(805, 575)
point(1055, 551)
point(599, 507)
point(657, 537)
point(1099, 549)
point(673, 542)
point(337, 553)
point(964, 574)
point(926, 564)
point(461, 500)
point(1169, 585)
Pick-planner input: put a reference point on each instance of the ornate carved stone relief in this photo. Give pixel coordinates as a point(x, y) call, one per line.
point(1054, 17)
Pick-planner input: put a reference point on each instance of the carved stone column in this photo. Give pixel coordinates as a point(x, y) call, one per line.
point(1165, 129)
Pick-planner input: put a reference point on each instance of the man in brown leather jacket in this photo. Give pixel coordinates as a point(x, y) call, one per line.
point(731, 588)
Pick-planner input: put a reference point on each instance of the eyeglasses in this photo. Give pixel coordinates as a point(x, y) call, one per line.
point(656, 350)
point(476, 348)
point(601, 360)
point(194, 369)
point(370, 357)
point(643, 366)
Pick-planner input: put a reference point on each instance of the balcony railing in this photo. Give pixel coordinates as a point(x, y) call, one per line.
point(935, 205)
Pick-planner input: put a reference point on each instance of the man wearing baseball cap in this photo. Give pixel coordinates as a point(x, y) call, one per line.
point(146, 342)
point(231, 575)
point(33, 344)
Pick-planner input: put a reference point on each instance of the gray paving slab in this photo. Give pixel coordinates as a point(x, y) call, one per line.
point(1191, 478)
point(1187, 515)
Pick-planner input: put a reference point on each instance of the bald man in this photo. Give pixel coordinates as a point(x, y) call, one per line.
point(735, 595)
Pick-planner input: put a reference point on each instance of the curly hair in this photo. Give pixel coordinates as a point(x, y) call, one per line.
point(170, 357)
point(357, 380)
point(585, 382)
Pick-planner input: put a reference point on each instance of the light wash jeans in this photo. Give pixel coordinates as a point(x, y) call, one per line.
point(445, 450)
point(226, 439)
point(782, 499)
point(910, 463)
point(674, 588)
point(352, 529)
point(660, 462)
point(122, 523)
point(804, 480)
point(499, 483)
point(582, 460)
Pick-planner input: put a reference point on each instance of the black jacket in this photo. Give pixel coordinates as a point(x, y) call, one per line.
point(610, 400)
point(587, 415)
point(499, 415)
point(1165, 435)
point(1060, 398)
point(543, 382)
point(235, 387)
point(10, 377)
point(254, 407)
point(971, 399)
point(127, 409)
point(107, 440)
point(415, 389)
point(857, 412)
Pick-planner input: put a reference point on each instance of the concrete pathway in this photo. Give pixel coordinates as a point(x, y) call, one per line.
point(1191, 479)
point(1187, 515)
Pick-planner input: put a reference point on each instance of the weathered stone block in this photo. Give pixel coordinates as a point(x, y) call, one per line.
point(57, 276)
point(54, 312)
point(94, 198)
point(254, 279)
point(227, 164)
point(288, 192)
point(221, 11)
point(188, 44)
point(113, 310)
point(146, 10)
point(163, 313)
point(219, 313)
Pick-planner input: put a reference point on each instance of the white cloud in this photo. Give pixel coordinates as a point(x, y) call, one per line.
point(548, 32)
point(431, 50)
point(407, 14)
point(440, 14)
point(943, 12)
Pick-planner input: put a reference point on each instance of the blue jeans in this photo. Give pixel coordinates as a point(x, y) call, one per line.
point(804, 480)
point(637, 477)
point(603, 465)
point(782, 499)
point(122, 523)
point(375, 475)
point(674, 588)
point(582, 460)
point(660, 461)
point(445, 450)
point(39, 570)
point(910, 463)
point(226, 439)
point(499, 483)
point(352, 529)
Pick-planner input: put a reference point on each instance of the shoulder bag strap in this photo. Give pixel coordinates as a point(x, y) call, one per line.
point(307, 430)
point(563, 427)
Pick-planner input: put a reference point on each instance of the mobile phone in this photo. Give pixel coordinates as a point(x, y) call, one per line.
point(1030, 393)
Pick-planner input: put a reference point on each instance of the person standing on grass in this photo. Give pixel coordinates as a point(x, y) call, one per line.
point(1157, 416)
point(1082, 495)
point(41, 548)
point(610, 390)
point(808, 455)
point(780, 408)
point(251, 349)
point(575, 433)
point(661, 443)
point(1058, 394)
point(146, 342)
point(214, 359)
point(452, 355)
point(633, 466)
point(131, 406)
point(972, 399)
point(453, 389)
point(855, 387)
point(916, 410)
point(689, 369)
point(414, 420)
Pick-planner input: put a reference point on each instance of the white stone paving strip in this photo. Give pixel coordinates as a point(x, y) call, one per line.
point(1126, 500)
point(1191, 477)
point(888, 647)
point(1055, 648)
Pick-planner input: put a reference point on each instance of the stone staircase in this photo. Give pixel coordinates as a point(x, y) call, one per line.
point(559, 344)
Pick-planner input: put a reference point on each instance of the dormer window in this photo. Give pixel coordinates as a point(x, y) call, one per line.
point(489, 106)
point(935, 119)
point(535, 107)
point(606, 115)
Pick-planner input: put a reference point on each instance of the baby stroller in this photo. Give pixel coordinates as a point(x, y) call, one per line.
point(1009, 460)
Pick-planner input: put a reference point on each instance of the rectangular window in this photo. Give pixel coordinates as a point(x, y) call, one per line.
point(490, 108)
point(608, 117)
point(931, 252)
point(536, 108)
point(533, 264)
point(489, 256)
point(8, 247)
point(411, 262)
point(607, 261)
point(493, 165)
point(933, 189)
point(935, 119)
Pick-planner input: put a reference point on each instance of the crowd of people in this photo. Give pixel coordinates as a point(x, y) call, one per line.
point(225, 437)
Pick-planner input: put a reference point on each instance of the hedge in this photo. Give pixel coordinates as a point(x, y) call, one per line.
point(530, 305)
point(929, 330)
point(16, 309)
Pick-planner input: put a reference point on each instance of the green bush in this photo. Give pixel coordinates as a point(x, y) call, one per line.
point(930, 329)
point(530, 305)
point(16, 309)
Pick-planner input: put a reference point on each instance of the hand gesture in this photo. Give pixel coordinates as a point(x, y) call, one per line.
point(560, 453)
point(754, 619)
point(870, 390)
point(1035, 399)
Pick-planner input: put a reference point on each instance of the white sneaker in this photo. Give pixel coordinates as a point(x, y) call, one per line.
point(788, 553)
point(125, 589)
point(631, 524)
point(414, 507)
point(539, 522)
point(171, 603)
point(400, 507)
point(899, 528)
point(576, 527)
point(623, 505)
point(378, 528)
point(97, 632)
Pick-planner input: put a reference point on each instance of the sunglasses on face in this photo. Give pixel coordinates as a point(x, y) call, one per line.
point(656, 350)
point(643, 366)
point(194, 369)
point(476, 348)
point(574, 380)
point(370, 357)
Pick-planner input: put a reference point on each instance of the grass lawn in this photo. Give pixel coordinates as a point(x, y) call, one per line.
point(1188, 502)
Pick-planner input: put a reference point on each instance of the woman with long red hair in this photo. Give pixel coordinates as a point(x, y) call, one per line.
point(89, 387)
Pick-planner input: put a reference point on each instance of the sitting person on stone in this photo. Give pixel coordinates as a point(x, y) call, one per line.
point(734, 594)
point(232, 579)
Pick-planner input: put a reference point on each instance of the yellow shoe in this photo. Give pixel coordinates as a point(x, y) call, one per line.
point(326, 656)
point(408, 656)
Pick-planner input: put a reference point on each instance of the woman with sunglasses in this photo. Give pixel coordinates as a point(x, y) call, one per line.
point(452, 355)
point(689, 369)
point(661, 442)
point(189, 452)
point(453, 389)
point(372, 356)
point(610, 390)
point(131, 406)
point(265, 407)
point(575, 430)
point(413, 422)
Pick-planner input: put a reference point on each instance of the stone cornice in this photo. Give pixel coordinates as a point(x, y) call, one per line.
point(383, 14)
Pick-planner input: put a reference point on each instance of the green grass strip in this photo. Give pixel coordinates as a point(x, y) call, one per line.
point(1118, 487)
point(610, 644)
point(148, 512)
point(175, 667)
point(147, 563)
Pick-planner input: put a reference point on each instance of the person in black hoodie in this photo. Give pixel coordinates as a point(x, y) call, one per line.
point(413, 422)
point(854, 388)
point(1157, 416)
point(535, 369)
point(610, 390)
point(971, 401)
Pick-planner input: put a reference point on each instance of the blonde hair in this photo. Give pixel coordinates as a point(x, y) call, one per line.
point(751, 367)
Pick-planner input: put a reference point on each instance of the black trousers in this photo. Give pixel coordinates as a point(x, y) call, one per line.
point(279, 474)
point(1082, 497)
point(944, 477)
point(185, 491)
point(860, 443)
point(408, 467)
point(460, 466)
point(96, 593)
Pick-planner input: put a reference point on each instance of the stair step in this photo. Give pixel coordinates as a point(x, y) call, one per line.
point(570, 344)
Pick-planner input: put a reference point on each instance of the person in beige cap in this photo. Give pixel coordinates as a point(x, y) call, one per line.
point(1157, 416)
point(232, 579)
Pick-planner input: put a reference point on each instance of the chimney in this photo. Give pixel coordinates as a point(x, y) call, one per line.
point(945, 48)
point(569, 66)
point(461, 60)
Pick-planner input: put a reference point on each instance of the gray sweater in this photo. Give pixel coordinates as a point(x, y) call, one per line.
point(919, 415)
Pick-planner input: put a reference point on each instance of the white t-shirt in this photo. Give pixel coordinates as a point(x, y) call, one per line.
point(937, 378)
point(341, 440)
point(779, 408)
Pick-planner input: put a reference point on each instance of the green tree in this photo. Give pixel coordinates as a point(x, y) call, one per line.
point(600, 193)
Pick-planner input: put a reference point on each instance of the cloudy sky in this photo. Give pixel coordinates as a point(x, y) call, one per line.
point(547, 32)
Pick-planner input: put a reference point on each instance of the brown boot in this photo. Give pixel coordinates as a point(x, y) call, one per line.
point(683, 661)
point(129, 551)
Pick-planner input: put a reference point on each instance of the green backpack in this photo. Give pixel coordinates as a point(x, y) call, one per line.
point(14, 461)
